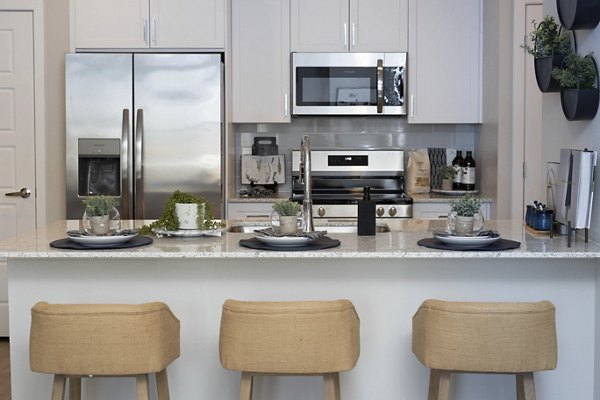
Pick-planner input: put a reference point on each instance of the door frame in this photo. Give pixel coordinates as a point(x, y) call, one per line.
point(37, 9)
point(518, 121)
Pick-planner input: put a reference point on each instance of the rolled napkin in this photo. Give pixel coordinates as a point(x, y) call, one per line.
point(123, 232)
point(270, 232)
point(488, 233)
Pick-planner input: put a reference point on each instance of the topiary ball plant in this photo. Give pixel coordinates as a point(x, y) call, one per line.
point(287, 208)
point(97, 206)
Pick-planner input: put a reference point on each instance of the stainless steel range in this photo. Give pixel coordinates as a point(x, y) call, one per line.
point(340, 176)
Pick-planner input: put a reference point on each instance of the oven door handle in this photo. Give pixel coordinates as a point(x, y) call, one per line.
point(379, 86)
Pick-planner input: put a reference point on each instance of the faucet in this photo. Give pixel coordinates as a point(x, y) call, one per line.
point(306, 178)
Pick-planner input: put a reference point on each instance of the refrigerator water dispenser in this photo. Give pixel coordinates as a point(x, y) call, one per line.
point(99, 166)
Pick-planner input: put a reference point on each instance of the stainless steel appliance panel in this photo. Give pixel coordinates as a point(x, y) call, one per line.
point(178, 114)
point(98, 90)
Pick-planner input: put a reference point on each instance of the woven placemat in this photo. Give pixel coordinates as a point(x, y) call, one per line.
point(502, 244)
point(321, 243)
point(67, 243)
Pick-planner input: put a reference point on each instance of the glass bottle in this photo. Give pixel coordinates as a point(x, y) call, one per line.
point(468, 176)
point(457, 164)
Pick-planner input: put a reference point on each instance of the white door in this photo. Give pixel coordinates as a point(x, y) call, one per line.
point(17, 156)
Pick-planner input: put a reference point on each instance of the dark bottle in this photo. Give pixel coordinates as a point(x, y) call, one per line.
point(457, 164)
point(366, 214)
point(468, 176)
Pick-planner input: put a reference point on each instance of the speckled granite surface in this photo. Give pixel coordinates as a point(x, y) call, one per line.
point(401, 242)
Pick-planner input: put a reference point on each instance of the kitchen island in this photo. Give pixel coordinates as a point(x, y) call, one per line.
point(386, 277)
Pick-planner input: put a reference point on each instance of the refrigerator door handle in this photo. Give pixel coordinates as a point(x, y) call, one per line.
point(139, 165)
point(125, 166)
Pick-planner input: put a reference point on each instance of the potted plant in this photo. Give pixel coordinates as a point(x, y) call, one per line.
point(288, 216)
point(101, 216)
point(195, 212)
point(578, 14)
point(550, 47)
point(578, 78)
point(464, 213)
point(448, 174)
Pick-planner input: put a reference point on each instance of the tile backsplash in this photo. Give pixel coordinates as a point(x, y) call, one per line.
point(350, 133)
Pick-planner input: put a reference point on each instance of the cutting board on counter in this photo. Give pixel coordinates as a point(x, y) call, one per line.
point(262, 170)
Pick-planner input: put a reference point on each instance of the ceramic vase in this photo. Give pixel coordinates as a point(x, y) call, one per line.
point(288, 224)
point(187, 214)
point(101, 225)
point(446, 184)
point(463, 225)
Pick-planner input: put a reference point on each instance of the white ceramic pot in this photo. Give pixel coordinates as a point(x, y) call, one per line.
point(463, 225)
point(288, 224)
point(187, 214)
point(100, 225)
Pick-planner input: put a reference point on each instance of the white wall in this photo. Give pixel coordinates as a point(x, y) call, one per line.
point(557, 131)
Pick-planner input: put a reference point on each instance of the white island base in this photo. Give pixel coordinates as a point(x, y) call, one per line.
point(385, 291)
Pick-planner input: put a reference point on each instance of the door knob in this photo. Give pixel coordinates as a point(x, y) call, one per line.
point(24, 193)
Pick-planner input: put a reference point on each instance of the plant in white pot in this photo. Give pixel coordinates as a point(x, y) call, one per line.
point(465, 217)
point(288, 215)
point(195, 212)
point(448, 174)
point(101, 217)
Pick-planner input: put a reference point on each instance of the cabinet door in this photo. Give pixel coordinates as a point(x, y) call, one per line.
point(249, 211)
point(320, 25)
point(187, 23)
point(378, 25)
point(110, 23)
point(260, 61)
point(444, 61)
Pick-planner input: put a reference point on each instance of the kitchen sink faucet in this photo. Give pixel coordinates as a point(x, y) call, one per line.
point(306, 178)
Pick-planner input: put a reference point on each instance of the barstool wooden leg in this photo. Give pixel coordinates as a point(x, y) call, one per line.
point(162, 385)
point(75, 388)
point(143, 387)
point(439, 384)
point(246, 386)
point(525, 386)
point(332, 386)
point(58, 387)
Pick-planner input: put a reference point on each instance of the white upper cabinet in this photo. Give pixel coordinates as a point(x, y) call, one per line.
point(349, 25)
point(148, 23)
point(260, 47)
point(444, 61)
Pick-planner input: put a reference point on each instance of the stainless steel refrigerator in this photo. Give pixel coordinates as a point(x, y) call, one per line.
point(140, 126)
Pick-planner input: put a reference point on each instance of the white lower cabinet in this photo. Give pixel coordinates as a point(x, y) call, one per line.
point(3, 300)
point(441, 210)
point(249, 211)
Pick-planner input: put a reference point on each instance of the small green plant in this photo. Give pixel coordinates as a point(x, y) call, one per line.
point(466, 206)
point(96, 206)
point(169, 221)
point(287, 208)
point(448, 172)
point(547, 39)
point(576, 67)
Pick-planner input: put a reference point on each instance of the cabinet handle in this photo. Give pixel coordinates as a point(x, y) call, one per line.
point(285, 104)
point(353, 35)
point(412, 106)
point(154, 33)
point(146, 31)
point(345, 35)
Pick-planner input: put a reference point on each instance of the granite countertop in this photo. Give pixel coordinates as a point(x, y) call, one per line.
point(401, 242)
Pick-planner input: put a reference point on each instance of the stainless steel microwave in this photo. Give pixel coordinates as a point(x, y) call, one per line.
point(349, 83)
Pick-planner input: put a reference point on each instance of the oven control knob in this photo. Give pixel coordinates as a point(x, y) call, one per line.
point(321, 211)
point(380, 211)
point(392, 211)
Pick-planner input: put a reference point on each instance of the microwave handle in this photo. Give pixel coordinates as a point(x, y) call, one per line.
point(379, 86)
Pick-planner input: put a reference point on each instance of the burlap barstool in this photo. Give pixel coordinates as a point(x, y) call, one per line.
point(509, 338)
point(85, 340)
point(289, 338)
